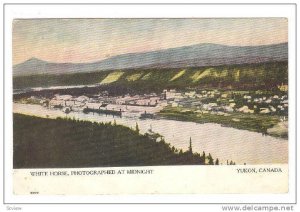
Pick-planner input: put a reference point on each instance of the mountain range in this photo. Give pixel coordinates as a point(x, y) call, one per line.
point(198, 55)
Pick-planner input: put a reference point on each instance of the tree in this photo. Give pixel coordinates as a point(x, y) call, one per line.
point(210, 159)
point(203, 157)
point(217, 162)
point(137, 129)
point(190, 147)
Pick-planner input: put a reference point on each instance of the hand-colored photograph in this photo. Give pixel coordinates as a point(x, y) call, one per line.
point(149, 92)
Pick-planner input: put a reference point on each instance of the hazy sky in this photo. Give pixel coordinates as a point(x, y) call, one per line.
point(86, 40)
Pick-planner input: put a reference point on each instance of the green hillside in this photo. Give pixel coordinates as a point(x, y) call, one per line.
point(66, 143)
point(247, 76)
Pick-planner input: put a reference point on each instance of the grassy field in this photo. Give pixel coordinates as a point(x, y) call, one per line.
point(65, 143)
point(252, 122)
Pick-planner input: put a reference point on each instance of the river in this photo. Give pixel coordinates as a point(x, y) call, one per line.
point(240, 146)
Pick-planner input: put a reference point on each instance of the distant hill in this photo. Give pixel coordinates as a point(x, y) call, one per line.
point(265, 76)
point(199, 55)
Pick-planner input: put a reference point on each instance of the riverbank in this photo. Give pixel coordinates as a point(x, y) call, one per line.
point(260, 123)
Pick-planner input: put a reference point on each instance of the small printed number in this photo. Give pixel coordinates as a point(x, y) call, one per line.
point(34, 192)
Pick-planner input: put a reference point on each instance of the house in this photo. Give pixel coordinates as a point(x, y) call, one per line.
point(245, 109)
point(63, 97)
point(273, 109)
point(284, 97)
point(213, 104)
point(82, 99)
point(174, 104)
point(178, 96)
point(56, 103)
point(190, 94)
point(283, 87)
point(224, 95)
point(93, 105)
point(209, 106)
point(232, 105)
point(228, 109)
point(264, 110)
point(170, 94)
point(268, 101)
point(143, 102)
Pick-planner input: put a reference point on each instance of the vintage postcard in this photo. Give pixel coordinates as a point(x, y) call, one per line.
point(150, 105)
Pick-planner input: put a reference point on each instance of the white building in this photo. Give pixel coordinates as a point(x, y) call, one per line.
point(245, 109)
point(82, 99)
point(264, 110)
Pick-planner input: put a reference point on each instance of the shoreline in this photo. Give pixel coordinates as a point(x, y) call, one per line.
point(236, 125)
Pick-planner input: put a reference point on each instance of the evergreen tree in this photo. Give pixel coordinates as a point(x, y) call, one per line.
point(190, 147)
point(210, 159)
point(137, 129)
point(217, 162)
point(203, 157)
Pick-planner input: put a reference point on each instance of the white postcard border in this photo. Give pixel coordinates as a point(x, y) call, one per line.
point(143, 11)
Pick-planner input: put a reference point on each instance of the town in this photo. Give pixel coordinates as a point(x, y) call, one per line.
point(215, 102)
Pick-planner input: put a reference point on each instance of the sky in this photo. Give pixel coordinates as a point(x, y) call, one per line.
point(88, 40)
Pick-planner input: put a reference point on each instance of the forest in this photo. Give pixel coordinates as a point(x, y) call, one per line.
point(69, 143)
